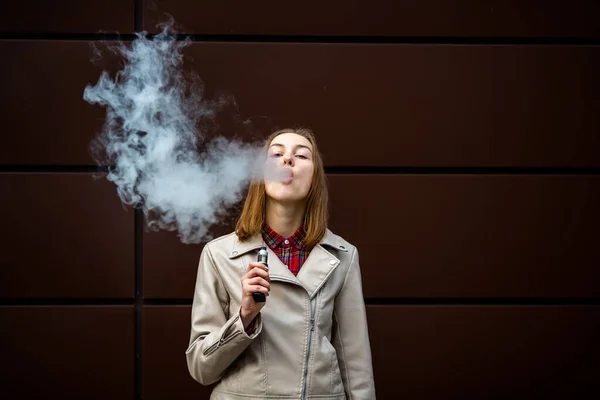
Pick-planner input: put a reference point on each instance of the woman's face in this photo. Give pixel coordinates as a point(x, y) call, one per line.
point(289, 168)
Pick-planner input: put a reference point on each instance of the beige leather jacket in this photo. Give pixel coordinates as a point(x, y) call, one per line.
point(311, 339)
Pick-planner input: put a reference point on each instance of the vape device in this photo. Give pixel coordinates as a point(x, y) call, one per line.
point(262, 258)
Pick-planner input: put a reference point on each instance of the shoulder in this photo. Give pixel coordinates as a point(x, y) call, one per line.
point(222, 242)
point(230, 246)
point(333, 240)
point(221, 246)
point(217, 252)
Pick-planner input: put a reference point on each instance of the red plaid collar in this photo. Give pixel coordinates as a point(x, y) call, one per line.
point(275, 240)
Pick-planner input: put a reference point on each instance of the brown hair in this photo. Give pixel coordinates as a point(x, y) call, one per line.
point(252, 217)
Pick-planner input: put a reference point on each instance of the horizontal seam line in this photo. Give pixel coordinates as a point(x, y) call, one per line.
point(416, 301)
point(399, 170)
point(52, 168)
point(460, 170)
point(66, 302)
point(438, 301)
point(478, 301)
point(317, 38)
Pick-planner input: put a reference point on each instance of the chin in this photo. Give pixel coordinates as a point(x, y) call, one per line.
point(285, 196)
point(287, 199)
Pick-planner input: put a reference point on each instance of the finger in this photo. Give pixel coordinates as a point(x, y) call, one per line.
point(256, 281)
point(258, 272)
point(259, 281)
point(253, 265)
point(255, 288)
point(255, 272)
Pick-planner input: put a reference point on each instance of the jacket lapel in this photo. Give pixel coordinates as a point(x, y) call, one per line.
point(316, 269)
point(277, 270)
point(320, 263)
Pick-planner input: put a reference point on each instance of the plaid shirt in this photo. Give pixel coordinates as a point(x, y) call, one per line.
point(291, 251)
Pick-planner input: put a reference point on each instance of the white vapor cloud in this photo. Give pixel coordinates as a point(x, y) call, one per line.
point(160, 160)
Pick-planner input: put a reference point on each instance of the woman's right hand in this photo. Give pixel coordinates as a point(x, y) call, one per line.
point(255, 280)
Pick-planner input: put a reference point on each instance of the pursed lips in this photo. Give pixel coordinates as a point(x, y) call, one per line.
point(288, 176)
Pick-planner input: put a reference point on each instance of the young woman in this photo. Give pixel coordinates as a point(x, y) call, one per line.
point(309, 339)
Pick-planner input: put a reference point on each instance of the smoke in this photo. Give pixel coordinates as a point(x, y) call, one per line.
point(155, 139)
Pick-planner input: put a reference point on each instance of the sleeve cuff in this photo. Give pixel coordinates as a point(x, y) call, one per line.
point(250, 328)
point(253, 329)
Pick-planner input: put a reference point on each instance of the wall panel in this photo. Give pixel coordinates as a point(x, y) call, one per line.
point(376, 105)
point(67, 352)
point(66, 235)
point(469, 18)
point(471, 235)
point(170, 266)
point(443, 236)
point(67, 16)
point(166, 337)
point(420, 105)
point(490, 352)
point(45, 117)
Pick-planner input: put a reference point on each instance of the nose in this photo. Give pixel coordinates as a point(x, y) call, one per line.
point(288, 160)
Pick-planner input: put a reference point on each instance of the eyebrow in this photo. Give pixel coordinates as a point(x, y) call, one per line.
point(296, 146)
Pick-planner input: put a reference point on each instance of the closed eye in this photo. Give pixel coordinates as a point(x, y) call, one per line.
point(302, 156)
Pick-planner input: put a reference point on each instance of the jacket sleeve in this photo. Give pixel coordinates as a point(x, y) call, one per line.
point(216, 338)
point(350, 336)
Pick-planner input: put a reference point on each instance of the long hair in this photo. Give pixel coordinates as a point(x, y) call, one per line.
point(252, 217)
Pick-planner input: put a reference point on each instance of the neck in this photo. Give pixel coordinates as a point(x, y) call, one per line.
point(285, 219)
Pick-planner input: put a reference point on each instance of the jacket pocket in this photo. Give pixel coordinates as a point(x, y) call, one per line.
point(336, 383)
point(325, 372)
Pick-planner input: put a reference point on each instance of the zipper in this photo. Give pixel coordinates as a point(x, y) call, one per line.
point(213, 347)
point(313, 303)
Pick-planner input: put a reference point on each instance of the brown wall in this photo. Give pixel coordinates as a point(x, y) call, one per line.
point(462, 145)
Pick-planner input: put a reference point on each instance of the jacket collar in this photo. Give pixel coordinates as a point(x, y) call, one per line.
point(274, 240)
point(256, 242)
point(316, 269)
